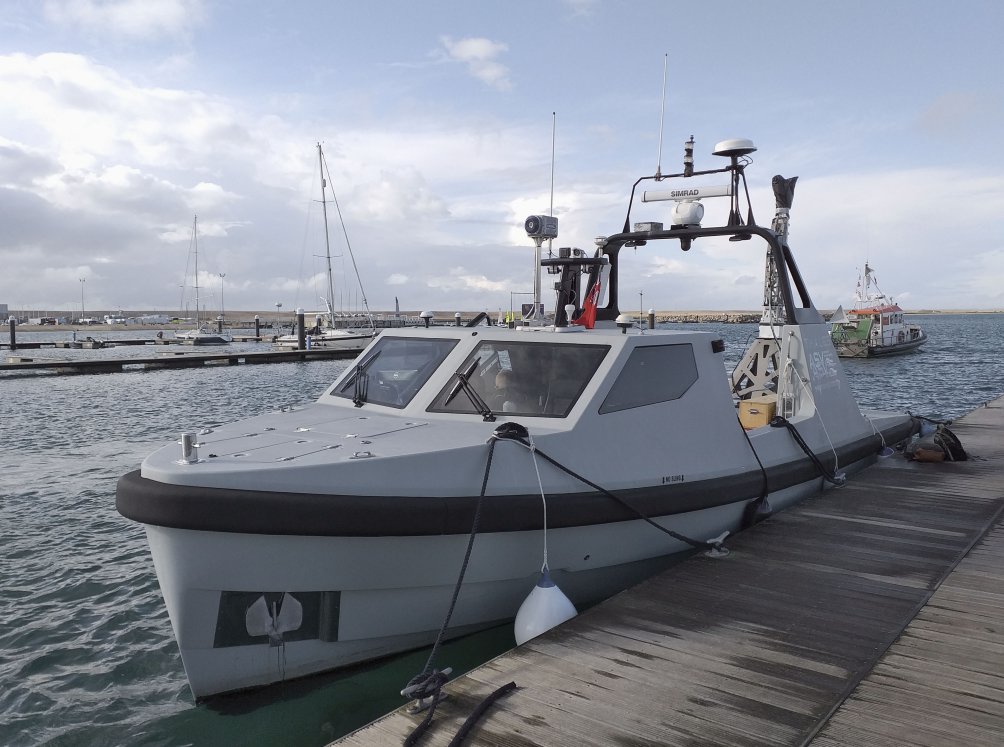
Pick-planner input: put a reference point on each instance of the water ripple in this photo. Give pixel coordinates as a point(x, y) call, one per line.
point(87, 655)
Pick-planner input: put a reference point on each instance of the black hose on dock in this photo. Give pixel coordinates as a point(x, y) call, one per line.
point(478, 712)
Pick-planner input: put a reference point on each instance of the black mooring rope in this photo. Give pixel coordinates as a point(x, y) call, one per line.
point(429, 682)
point(700, 544)
point(779, 422)
point(755, 509)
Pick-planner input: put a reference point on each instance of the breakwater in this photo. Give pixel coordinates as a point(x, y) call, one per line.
point(708, 317)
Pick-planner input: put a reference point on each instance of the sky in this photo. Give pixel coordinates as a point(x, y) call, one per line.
point(122, 120)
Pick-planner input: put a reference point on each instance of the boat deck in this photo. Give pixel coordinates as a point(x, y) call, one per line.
point(868, 615)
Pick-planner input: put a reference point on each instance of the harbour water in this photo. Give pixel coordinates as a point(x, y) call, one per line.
point(86, 651)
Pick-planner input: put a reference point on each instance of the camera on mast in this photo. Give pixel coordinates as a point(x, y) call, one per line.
point(541, 227)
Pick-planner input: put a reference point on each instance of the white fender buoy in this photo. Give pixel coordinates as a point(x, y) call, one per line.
point(544, 608)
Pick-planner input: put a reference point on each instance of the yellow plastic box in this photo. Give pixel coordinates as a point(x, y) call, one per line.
point(758, 411)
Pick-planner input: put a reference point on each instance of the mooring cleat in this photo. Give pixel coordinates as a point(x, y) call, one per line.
point(426, 689)
point(424, 704)
point(718, 548)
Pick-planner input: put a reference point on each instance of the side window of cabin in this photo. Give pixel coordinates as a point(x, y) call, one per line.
point(654, 373)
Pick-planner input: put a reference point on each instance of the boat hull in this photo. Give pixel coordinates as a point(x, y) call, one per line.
point(860, 349)
point(369, 597)
point(202, 337)
point(334, 341)
point(898, 348)
point(210, 340)
point(366, 595)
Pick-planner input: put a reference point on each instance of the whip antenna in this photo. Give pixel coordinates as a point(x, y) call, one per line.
point(662, 115)
point(538, 228)
point(554, 124)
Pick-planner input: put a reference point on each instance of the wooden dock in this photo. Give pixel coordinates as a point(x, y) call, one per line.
point(870, 615)
point(24, 364)
point(88, 343)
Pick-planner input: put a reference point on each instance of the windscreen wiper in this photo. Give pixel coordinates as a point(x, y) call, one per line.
point(464, 383)
point(361, 382)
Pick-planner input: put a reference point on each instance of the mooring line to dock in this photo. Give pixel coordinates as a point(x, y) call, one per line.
point(826, 615)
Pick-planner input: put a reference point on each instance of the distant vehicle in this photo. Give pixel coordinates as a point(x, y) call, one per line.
point(115, 319)
point(85, 320)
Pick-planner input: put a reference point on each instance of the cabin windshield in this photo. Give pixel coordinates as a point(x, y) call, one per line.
point(523, 378)
point(393, 370)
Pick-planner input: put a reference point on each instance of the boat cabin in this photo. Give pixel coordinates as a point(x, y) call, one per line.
point(525, 372)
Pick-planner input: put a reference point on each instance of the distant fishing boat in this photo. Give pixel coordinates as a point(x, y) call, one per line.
point(202, 334)
point(875, 325)
point(343, 331)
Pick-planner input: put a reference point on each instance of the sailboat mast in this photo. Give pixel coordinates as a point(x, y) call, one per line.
point(327, 239)
point(195, 248)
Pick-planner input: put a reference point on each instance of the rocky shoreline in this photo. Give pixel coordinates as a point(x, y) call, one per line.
point(708, 317)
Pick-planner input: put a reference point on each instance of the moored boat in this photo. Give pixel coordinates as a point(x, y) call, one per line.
point(875, 326)
point(340, 331)
point(344, 333)
point(319, 536)
point(201, 334)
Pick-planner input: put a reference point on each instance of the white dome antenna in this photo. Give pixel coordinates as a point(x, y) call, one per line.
point(734, 148)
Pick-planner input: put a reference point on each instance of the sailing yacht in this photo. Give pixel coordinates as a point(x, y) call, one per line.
point(201, 334)
point(346, 332)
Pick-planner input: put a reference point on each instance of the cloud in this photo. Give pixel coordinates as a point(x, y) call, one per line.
point(132, 19)
point(19, 165)
point(86, 114)
point(103, 167)
point(904, 223)
point(459, 279)
point(581, 7)
point(957, 111)
point(479, 55)
point(104, 160)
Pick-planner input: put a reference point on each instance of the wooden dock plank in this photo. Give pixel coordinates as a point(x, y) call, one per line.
point(942, 682)
point(867, 615)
